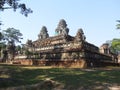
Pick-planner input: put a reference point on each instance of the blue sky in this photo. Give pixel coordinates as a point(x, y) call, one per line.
point(97, 18)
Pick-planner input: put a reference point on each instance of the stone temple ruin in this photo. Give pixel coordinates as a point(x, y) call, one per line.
point(66, 50)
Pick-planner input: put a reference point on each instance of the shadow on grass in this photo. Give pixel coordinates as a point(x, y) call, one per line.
point(70, 78)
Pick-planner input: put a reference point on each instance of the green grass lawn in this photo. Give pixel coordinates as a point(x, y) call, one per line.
point(14, 75)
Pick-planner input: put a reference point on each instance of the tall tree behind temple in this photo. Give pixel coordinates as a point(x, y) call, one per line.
point(13, 4)
point(11, 36)
point(1, 36)
point(116, 44)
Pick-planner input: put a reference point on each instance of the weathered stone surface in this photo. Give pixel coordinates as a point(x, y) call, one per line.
point(43, 33)
point(66, 50)
point(62, 28)
point(80, 35)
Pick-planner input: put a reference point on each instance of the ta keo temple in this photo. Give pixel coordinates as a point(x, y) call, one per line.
point(66, 50)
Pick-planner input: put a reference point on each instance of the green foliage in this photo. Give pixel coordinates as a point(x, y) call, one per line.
point(118, 26)
point(14, 4)
point(116, 44)
point(1, 36)
point(18, 47)
point(27, 53)
point(2, 45)
point(12, 35)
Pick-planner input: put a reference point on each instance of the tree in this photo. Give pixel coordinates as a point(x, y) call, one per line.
point(1, 36)
point(11, 36)
point(118, 25)
point(14, 4)
point(2, 47)
point(114, 45)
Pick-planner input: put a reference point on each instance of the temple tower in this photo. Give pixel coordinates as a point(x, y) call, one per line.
point(105, 49)
point(43, 33)
point(62, 28)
